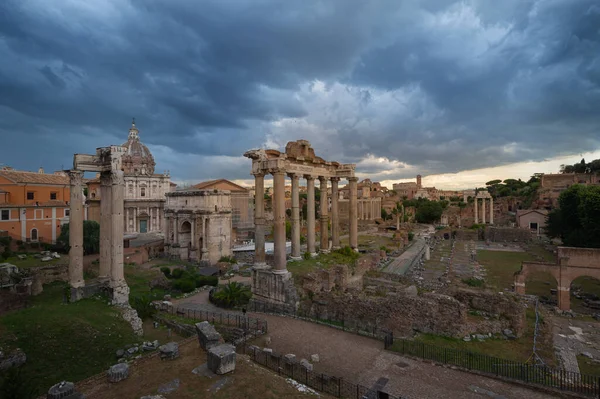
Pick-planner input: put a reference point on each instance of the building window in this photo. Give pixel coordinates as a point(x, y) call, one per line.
point(67, 212)
point(131, 189)
point(5, 214)
point(39, 213)
point(143, 192)
point(533, 226)
point(29, 195)
point(34, 235)
point(52, 196)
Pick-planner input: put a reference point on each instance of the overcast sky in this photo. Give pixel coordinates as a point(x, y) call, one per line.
point(398, 87)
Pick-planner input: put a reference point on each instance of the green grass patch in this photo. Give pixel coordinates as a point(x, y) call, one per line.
point(501, 266)
point(138, 280)
point(65, 342)
point(322, 261)
point(588, 366)
point(473, 282)
point(516, 350)
point(30, 261)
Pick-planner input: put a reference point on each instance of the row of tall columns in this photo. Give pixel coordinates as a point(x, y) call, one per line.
point(111, 228)
point(476, 205)
point(172, 224)
point(369, 209)
point(279, 217)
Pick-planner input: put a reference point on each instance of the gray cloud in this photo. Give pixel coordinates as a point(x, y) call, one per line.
point(439, 85)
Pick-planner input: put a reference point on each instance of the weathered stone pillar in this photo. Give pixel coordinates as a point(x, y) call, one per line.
point(205, 239)
point(105, 223)
point(167, 229)
point(491, 210)
point(324, 216)
point(483, 210)
point(279, 221)
point(193, 239)
point(335, 217)
point(76, 229)
point(295, 216)
point(135, 226)
point(259, 220)
point(520, 284)
point(353, 213)
point(476, 203)
point(175, 229)
point(117, 194)
point(310, 214)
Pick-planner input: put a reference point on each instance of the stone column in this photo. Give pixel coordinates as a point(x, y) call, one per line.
point(324, 216)
point(259, 220)
point(310, 214)
point(117, 193)
point(204, 238)
point(175, 229)
point(76, 229)
point(279, 221)
point(353, 213)
point(295, 216)
point(483, 210)
point(193, 233)
point(135, 227)
point(476, 203)
point(105, 223)
point(491, 210)
point(335, 217)
point(167, 230)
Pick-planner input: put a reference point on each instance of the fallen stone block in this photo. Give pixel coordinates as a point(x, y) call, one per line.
point(207, 335)
point(289, 358)
point(61, 390)
point(221, 359)
point(118, 372)
point(306, 364)
point(314, 358)
point(169, 387)
point(169, 351)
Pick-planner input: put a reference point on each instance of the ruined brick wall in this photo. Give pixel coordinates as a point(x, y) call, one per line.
point(467, 235)
point(46, 275)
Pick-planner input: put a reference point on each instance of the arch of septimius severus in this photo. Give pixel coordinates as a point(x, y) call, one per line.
point(298, 161)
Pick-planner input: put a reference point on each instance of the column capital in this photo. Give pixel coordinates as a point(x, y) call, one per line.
point(323, 179)
point(309, 177)
point(105, 179)
point(293, 176)
point(334, 179)
point(75, 177)
point(117, 178)
point(277, 171)
point(353, 179)
point(258, 174)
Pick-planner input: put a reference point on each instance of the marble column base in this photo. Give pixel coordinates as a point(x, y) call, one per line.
point(296, 257)
point(273, 287)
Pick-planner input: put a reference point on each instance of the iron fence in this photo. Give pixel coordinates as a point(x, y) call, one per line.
point(349, 325)
point(543, 375)
point(226, 319)
point(334, 386)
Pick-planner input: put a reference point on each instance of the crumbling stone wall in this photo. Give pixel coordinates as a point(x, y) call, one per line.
point(46, 275)
point(467, 235)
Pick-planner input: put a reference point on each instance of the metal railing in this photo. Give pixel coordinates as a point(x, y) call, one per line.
point(335, 386)
point(536, 374)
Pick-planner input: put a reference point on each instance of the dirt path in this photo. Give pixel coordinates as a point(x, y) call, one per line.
point(363, 360)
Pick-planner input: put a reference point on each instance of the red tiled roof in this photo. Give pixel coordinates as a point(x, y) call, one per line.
point(34, 178)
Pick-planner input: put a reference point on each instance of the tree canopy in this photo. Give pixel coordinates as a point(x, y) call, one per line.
point(577, 220)
point(91, 237)
point(429, 211)
point(582, 167)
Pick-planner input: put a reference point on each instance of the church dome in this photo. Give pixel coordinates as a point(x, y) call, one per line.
point(138, 159)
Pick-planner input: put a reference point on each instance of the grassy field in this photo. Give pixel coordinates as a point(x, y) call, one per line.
point(501, 266)
point(34, 262)
point(518, 350)
point(138, 279)
point(588, 366)
point(588, 285)
point(63, 341)
point(321, 261)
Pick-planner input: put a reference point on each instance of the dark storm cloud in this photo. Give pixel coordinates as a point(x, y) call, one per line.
point(440, 85)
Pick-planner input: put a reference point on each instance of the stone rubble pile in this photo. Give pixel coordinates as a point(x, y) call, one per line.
point(169, 351)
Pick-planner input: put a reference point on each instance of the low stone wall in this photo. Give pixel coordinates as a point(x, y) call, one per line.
point(467, 235)
point(507, 234)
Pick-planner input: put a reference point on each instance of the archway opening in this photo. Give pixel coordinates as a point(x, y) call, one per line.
point(34, 235)
point(585, 295)
point(544, 285)
point(185, 234)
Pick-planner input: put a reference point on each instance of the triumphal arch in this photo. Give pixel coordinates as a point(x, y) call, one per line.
point(107, 162)
point(298, 161)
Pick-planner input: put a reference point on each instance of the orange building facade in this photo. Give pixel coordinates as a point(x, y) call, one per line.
point(33, 206)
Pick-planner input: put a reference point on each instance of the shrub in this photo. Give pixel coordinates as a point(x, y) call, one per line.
point(166, 271)
point(19, 242)
point(307, 256)
point(228, 259)
point(7, 253)
point(383, 248)
point(177, 273)
point(201, 281)
point(184, 285)
point(14, 385)
point(143, 306)
point(411, 235)
point(473, 282)
point(232, 295)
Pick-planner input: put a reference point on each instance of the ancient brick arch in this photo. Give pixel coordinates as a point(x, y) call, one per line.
point(572, 263)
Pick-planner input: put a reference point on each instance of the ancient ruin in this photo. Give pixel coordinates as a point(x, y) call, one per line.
point(572, 263)
point(483, 196)
point(107, 162)
point(298, 161)
point(198, 225)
